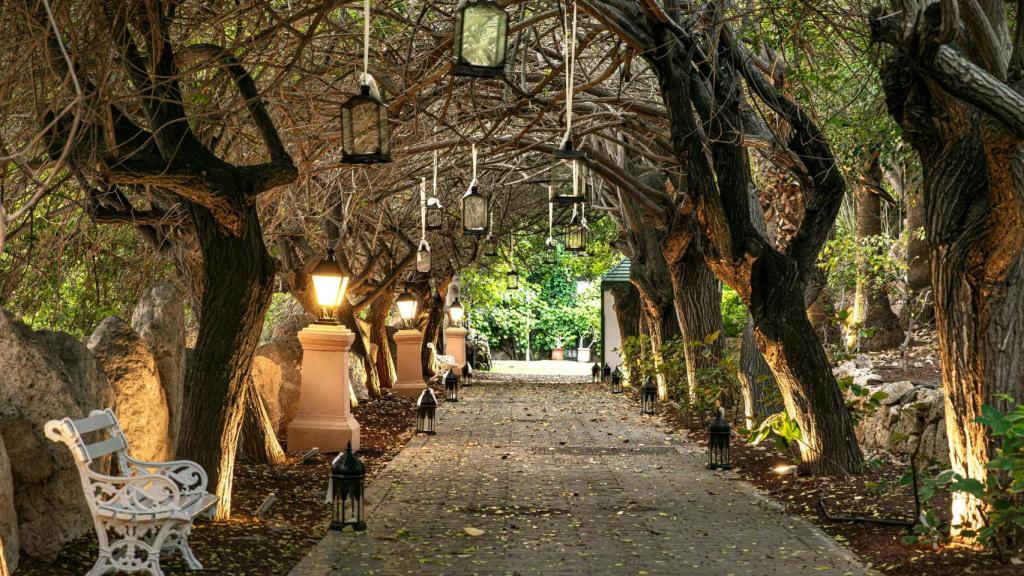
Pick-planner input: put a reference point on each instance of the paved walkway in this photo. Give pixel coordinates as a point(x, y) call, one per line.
point(566, 479)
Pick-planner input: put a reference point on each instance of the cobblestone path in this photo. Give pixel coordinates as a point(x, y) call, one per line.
point(565, 479)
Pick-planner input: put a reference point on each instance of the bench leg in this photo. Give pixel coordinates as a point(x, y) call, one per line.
point(177, 539)
point(126, 547)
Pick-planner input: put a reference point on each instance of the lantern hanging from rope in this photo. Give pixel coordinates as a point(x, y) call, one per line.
point(481, 36)
point(475, 207)
point(435, 211)
point(365, 131)
point(423, 251)
point(577, 232)
point(567, 177)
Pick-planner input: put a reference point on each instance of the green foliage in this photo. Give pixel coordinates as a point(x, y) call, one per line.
point(860, 400)
point(734, 313)
point(780, 427)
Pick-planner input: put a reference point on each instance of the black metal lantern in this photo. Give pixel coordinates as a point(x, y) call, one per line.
point(595, 372)
point(407, 304)
point(475, 208)
point(481, 35)
point(329, 284)
point(426, 412)
point(365, 132)
point(451, 387)
point(605, 372)
point(648, 396)
point(435, 214)
point(467, 373)
point(576, 234)
point(567, 177)
point(491, 250)
point(718, 443)
point(617, 381)
point(423, 257)
point(347, 488)
point(550, 251)
point(512, 280)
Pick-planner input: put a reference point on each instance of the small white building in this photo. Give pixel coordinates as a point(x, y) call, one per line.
point(611, 337)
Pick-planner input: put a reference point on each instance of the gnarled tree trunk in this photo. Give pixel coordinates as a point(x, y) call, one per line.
point(384, 363)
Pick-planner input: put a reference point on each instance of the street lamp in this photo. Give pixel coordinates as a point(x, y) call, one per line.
point(456, 312)
point(566, 179)
point(365, 132)
point(481, 35)
point(407, 304)
point(348, 476)
point(718, 443)
point(474, 212)
point(329, 284)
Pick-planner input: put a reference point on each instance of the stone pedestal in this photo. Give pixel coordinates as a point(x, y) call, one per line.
point(324, 417)
point(455, 346)
point(408, 364)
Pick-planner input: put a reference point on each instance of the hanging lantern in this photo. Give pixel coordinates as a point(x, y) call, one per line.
point(426, 411)
point(481, 34)
point(456, 312)
point(491, 250)
point(617, 381)
point(407, 304)
point(329, 284)
point(550, 251)
point(474, 212)
point(718, 443)
point(435, 214)
point(605, 372)
point(512, 280)
point(365, 132)
point(648, 396)
point(451, 387)
point(566, 179)
point(423, 257)
point(576, 233)
point(348, 476)
point(595, 372)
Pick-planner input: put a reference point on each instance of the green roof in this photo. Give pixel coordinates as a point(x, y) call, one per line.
point(619, 274)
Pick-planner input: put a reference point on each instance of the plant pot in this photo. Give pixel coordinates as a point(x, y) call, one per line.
point(558, 354)
point(583, 354)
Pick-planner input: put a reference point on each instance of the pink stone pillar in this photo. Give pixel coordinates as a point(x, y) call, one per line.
point(324, 417)
point(408, 364)
point(455, 346)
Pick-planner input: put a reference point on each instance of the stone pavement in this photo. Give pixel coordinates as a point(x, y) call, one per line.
point(566, 479)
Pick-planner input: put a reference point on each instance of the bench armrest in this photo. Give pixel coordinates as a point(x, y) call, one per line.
point(187, 475)
point(149, 493)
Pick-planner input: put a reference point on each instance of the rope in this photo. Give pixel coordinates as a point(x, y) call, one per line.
point(551, 219)
point(569, 55)
point(366, 41)
point(434, 190)
point(474, 167)
point(423, 209)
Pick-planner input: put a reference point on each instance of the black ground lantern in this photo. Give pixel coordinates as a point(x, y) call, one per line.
point(451, 387)
point(365, 132)
point(329, 284)
point(467, 374)
point(348, 476)
point(605, 372)
point(481, 35)
point(718, 443)
point(648, 396)
point(577, 233)
point(595, 372)
point(617, 381)
point(474, 212)
point(426, 412)
point(566, 179)
point(512, 280)
point(407, 304)
point(435, 214)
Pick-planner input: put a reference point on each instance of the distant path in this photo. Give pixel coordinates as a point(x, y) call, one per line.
point(566, 479)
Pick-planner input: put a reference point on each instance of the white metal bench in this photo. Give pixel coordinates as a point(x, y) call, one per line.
point(148, 508)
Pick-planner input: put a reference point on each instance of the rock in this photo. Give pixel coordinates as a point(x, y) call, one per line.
point(266, 377)
point(140, 405)
point(357, 376)
point(43, 383)
point(912, 417)
point(895, 391)
point(159, 318)
point(8, 520)
point(478, 350)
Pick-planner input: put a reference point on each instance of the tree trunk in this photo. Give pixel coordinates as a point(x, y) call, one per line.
point(259, 440)
point(626, 304)
point(238, 279)
point(875, 326)
point(380, 313)
point(919, 270)
point(432, 322)
point(757, 384)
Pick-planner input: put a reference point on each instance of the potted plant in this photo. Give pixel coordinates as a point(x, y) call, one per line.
point(558, 352)
point(583, 351)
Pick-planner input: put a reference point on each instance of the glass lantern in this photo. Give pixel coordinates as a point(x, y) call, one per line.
point(512, 280)
point(576, 233)
point(550, 251)
point(456, 313)
point(329, 285)
point(566, 179)
point(348, 476)
point(475, 210)
point(467, 373)
point(407, 304)
point(617, 381)
point(426, 412)
point(451, 387)
point(605, 372)
point(648, 396)
point(481, 35)
point(423, 257)
point(491, 250)
point(718, 443)
point(435, 214)
point(595, 372)
point(365, 132)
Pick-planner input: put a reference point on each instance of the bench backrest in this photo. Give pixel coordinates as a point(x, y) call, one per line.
point(100, 423)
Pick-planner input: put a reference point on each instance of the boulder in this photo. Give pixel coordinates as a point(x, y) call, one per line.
point(357, 376)
point(478, 351)
point(277, 370)
point(911, 418)
point(8, 521)
point(159, 318)
point(140, 403)
point(43, 383)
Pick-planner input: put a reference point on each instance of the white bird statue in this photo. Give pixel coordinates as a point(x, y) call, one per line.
point(447, 362)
